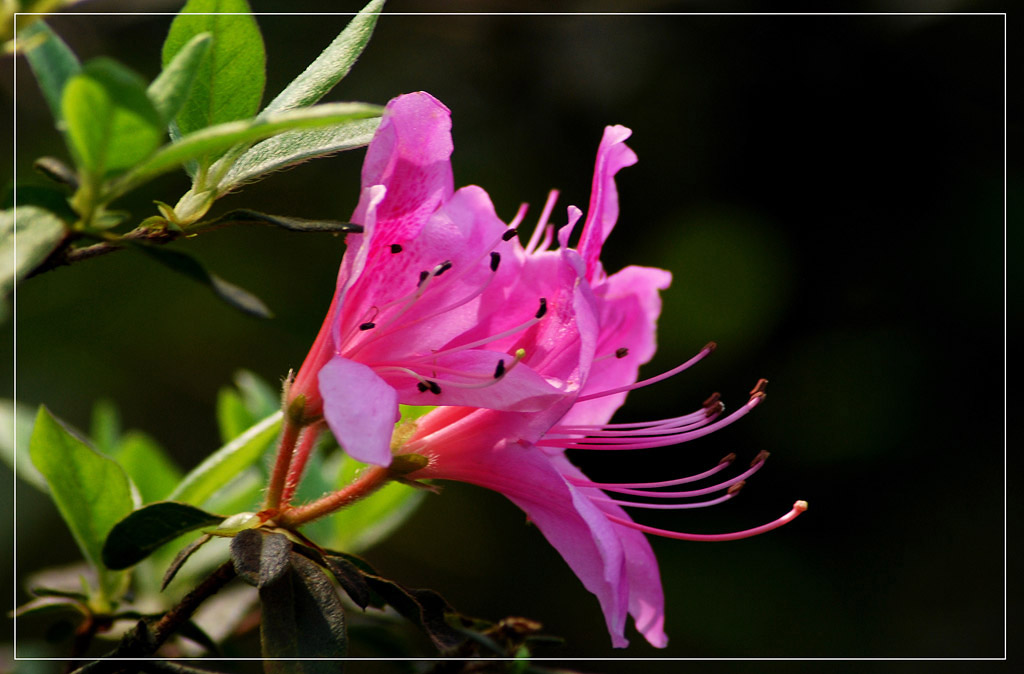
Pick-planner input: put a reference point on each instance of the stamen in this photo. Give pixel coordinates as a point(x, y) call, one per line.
point(396, 248)
point(683, 494)
point(621, 352)
point(499, 371)
point(798, 507)
point(549, 205)
point(639, 442)
point(666, 506)
point(693, 418)
point(510, 233)
point(543, 308)
point(443, 267)
point(424, 275)
point(367, 326)
point(722, 465)
point(495, 260)
point(708, 348)
point(512, 226)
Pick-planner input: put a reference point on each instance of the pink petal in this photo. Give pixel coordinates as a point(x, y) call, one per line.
point(361, 410)
point(409, 155)
point(628, 308)
point(612, 155)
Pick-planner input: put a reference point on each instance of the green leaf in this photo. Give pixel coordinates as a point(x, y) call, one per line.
point(294, 147)
point(139, 534)
point(229, 83)
point(171, 87)
point(91, 491)
point(332, 65)
point(223, 136)
point(184, 263)
point(232, 417)
point(260, 557)
point(148, 466)
point(227, 462)
point(16, 421)
point(105, 427)
point(302, 618)
point(38, 234)
point(112, 124)
point(52, 62)
point(284, 222)
point(182, 557)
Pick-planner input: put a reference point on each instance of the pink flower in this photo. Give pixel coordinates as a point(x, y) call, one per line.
point(521, 454)
point(421, 313)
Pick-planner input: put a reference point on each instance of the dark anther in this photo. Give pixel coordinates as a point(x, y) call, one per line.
point(443, 267)
point(761, 457)
point(367, 326)
point(495, 261)
point(396, 248)
point(509, 234)
point(712, 400)
point(710, 346)
point(422, 387)
point(423, 277)
point(499, 371)
point(713, 405)
point(621, 352)
point(434, 388)
point(728, 458)
point(735, 488)
point(759, 388)
point(543, 308)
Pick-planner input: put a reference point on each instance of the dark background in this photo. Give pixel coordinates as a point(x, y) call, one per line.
point(828, 192)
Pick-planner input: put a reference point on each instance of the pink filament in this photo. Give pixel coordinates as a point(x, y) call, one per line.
point(647, 382)
point(648, 485)
point(549, 205)
point(798, 507)
point(683, 494)
point(665, 506)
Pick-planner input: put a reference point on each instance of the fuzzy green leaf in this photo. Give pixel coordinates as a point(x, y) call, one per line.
point(140, 534)
point(302, 618)
point(52, 62)
point(294, 147)
point(229, 461)
point(229, 82)
point(332, 65)
point(223, 136)
point(170, 89)
point(112, 124)
point(91, 491)
point(38, 233)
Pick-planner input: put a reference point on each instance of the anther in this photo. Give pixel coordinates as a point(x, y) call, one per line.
point(713, 405)
point(434, 388)
point(367, 326)
point(710, 346)
point(736, 487)
point(761, 457)
point(728, 458)
point(510, 234)
point(424, 275)
point(759, 387)
point(499, 371)
point(495, 260)
point(712, 400)
point(543, 308)
point(621, 352)
point(423, 388)
point(443, 267)
point(396, 248)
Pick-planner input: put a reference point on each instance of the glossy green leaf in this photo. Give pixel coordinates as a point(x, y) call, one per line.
point(90, 490)
point(332, 65)
point(223, 136)
point(229, 461)
point(303, 617)
point(112, 125)
point(16, 421)
point(52, 62)
point(229, 82)
point(232, 417)
point(294, 147)
point(285, 222)
point(183, 263)
point(148, 466)
point(38, 233)
point(139, 534)
point(170, 89)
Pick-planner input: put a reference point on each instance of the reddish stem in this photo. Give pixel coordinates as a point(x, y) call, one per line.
point(372, 479)
point(300, 457)
point(289, 436)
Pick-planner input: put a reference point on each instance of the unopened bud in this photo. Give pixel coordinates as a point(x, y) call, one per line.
point(296, 411)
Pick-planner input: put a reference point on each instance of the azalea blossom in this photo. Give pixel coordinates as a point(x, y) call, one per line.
point(541, 349)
